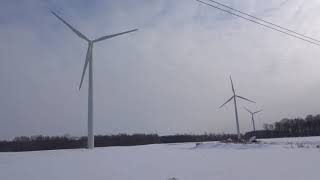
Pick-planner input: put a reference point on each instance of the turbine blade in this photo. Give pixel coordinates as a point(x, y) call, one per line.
point(113, 35)
point(248, 110)
point(88, 58)
point(226, 102)
point(72, 28)
point(245, 99)
point(258, 111)
point(232, 85)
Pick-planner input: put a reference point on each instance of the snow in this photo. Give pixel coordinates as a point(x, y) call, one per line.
point(276, 159)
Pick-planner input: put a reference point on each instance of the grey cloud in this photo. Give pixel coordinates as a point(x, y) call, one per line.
point(169, 77)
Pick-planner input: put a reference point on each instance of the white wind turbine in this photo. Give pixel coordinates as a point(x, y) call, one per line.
point(89, 60)
point(234, 97)
point(252, 117)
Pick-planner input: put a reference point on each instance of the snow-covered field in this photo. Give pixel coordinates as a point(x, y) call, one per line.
point(273, 159)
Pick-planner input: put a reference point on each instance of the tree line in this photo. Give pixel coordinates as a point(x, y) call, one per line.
point(296, 127)
point(35, 143)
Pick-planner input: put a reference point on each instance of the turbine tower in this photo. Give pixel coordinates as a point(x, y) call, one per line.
point(252, 117)
point(234, 97)
point(89, 60)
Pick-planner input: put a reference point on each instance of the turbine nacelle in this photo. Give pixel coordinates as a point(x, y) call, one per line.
point(235, 96)
point(90, 42)
point(251, 112)
point(89, 61)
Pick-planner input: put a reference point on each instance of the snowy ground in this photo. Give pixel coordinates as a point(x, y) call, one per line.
point(273, 159)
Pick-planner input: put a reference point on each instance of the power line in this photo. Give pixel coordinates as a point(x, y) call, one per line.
point(263, 20)
point(275, 29)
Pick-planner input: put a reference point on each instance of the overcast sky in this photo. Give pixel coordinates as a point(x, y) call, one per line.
point(169, 77)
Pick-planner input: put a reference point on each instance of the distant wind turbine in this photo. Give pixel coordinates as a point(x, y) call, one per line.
point(252, 117)
point(234, 97)
point(89, 60)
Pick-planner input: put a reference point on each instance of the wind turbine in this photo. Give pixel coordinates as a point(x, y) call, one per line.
point(234, 97)
point(89, 60)
point(252, 117)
